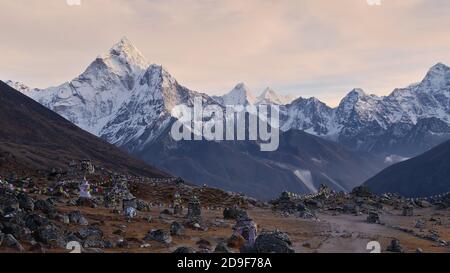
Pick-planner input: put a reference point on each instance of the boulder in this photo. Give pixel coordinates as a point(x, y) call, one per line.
point(35, 221)
point(307, 214)
point(72, 237)
point(176, 229)
point(92, 250)
point(91, 232)
point(11, 242)
point(373, 218)
point(221, 248)
point(408, 211)
point(45, 206)
point(395, 246)
point(420, 223)
point(273, 242)
point(25, 202)
point(166, 212)
point(362, 191)
point(9, 201)
point(159, 235)
point(86, 202)
point(121, 243)
point(77, 218)
point(17, 230)
point(93, 243)
point(184, 250)
point(315, 204)
point(423, 203)
point(63, 218)
point(248, 249)
point(50, 235)
point(233, 213)
point(203, 244)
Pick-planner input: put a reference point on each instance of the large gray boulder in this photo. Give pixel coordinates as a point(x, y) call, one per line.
point(273, 242)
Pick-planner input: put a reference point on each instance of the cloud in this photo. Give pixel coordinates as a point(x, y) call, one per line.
point(308, 47)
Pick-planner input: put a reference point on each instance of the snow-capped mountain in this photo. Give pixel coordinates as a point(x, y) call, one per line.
point(93, 98)
point(239, 95)
point(147, 111)
point(119, 97)
point(310, 115)
point(381, 124)
point(242, 95)
point(124, 100)
point(368, 122)
point(269, 96)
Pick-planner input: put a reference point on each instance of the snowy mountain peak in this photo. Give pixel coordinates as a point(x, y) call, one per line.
point(438, 72)
point(240, 95)
point(241, 88)
point(126, 47)
point(157, 81)
point(311, 100)
point(124, 58)
point(437, 79)
point(352, 97)
point(358, 92)
point(439, 67)
point(269, 96)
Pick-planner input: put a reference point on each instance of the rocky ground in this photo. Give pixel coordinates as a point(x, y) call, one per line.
point(44, 214)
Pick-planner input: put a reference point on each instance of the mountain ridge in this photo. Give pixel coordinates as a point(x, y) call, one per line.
point(422, 176)
point(361, 122)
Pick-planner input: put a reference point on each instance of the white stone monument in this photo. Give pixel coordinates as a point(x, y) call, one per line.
point(84, 189)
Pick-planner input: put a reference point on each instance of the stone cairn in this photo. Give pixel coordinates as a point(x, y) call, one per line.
point(129, 205)
point(87, 166)
point(194, 214)
point(177, 204)
point(408, 210)
point(373, 218)
point(85, 189)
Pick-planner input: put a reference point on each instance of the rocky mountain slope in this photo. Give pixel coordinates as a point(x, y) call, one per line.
point(301, 164)
point(422, 176)
point(419, 113)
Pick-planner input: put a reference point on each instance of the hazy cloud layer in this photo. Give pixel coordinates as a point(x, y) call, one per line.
point(316, 48)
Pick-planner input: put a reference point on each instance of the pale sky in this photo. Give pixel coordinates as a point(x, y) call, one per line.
point(321, 48)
